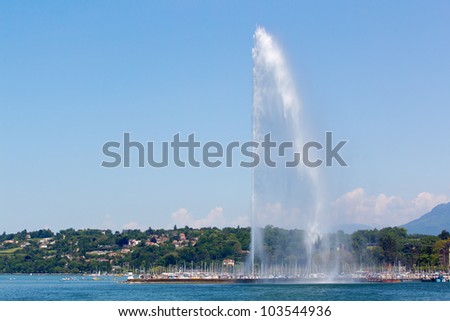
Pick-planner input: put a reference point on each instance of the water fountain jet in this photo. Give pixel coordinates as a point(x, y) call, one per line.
point(281, 197)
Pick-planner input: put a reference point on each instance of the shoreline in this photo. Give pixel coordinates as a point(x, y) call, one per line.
point(265, 281)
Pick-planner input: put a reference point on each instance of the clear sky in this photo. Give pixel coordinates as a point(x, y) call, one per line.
point(74, 75)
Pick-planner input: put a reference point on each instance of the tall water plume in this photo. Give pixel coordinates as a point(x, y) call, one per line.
point(285, 197)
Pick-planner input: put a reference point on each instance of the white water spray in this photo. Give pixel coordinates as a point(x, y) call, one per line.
point(282, 197)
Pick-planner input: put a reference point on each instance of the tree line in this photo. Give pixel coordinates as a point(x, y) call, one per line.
point(94, 250)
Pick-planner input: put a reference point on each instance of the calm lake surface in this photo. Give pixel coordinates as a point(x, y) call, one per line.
point(106, 288)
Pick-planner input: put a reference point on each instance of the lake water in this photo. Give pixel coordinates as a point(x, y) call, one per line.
point(78, 288)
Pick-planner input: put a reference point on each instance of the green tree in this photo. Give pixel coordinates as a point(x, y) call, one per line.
point(444, 235)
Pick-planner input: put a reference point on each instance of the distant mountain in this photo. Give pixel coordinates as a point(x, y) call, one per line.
point(432, 223)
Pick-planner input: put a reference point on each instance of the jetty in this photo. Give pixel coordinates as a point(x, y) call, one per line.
point(217, 278)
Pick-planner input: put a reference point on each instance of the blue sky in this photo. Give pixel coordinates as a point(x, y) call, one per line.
point(74, 75)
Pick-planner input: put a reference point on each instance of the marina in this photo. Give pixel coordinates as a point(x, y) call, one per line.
point(208, 278)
